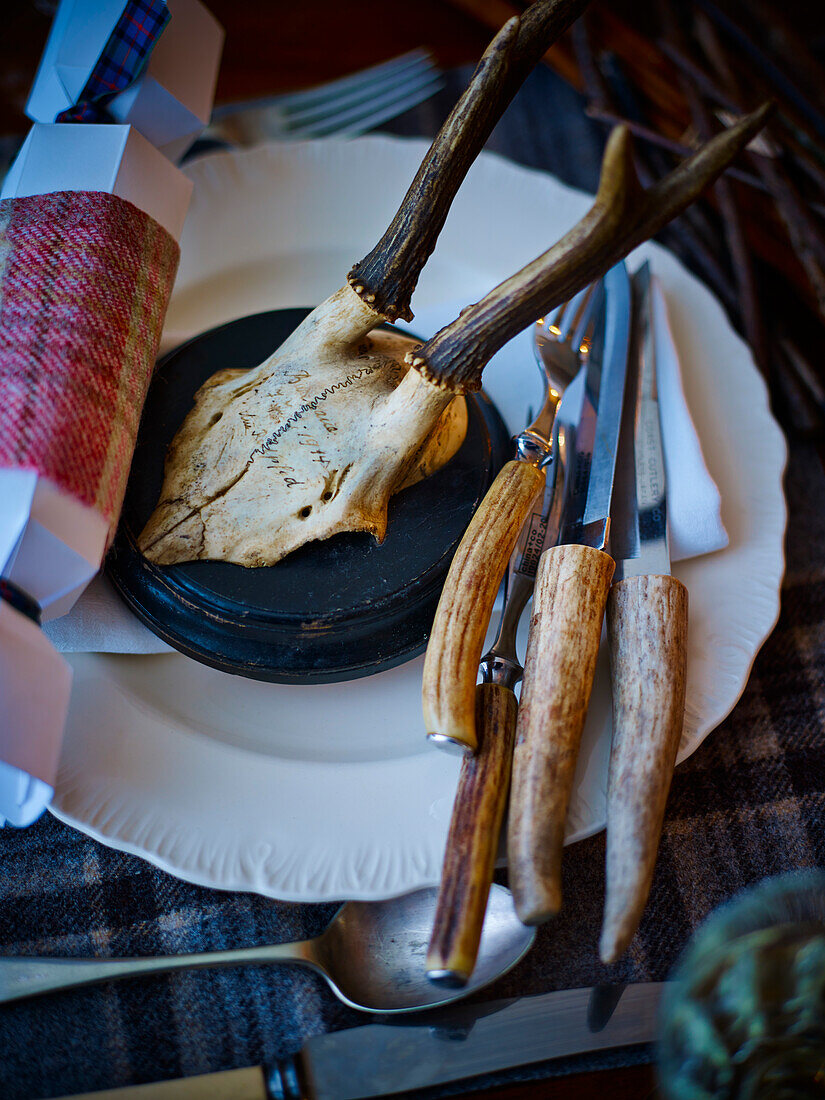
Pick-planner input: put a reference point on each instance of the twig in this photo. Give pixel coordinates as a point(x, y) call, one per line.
point(601, 97)
point(697, 74)
point(809, 158)
point(750, 311)
point(678, 148)
point(645, 133)
point(791, 47)
point(797, 146)
point(697, 215)
point(595, 86)
point(777, 77)
point(798, 393)
point(652, 72)
point(804, 237)
point(804, 372)
point(803, 234)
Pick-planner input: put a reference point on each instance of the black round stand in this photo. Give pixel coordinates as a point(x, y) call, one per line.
point(332, 610)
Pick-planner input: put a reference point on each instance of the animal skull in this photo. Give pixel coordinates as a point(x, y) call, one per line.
point(316, 439)
point(310, 443)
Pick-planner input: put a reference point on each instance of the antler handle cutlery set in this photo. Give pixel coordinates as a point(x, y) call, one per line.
point(312, 444)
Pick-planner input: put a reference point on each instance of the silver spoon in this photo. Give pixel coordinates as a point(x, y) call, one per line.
point(371, 954)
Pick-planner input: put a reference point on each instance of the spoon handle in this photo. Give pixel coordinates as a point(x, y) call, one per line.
point(28, 976)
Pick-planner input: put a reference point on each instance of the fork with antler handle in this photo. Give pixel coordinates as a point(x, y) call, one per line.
point(561, 343)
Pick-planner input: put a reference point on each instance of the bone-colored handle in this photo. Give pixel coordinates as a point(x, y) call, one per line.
point(647, 629)
point(231, 1084)
point(454, 649)
point(472, 843)
point(572, 585)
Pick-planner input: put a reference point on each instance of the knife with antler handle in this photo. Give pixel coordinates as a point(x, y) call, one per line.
point(572, 586)
point(647, 616)
point(383, 1059)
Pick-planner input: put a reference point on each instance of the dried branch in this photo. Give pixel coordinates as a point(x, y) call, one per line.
point(691, 240)
point(803, 234)
point(750, 310)
point(780, 80)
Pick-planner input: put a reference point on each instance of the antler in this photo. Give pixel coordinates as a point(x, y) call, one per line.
point(387, 276)
point(623, 215)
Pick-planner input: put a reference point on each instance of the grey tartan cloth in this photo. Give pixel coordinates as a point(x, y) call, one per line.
point(749, 803)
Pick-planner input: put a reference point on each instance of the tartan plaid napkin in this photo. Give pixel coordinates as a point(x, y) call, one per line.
point(122, 61)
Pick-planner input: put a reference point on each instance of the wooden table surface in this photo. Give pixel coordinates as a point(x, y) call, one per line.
point(273, 47)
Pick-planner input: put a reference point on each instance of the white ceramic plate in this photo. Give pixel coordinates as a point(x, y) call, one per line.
point(315, 793)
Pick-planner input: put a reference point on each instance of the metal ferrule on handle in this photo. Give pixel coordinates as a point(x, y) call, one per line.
point(500, 664)
point(533, 448)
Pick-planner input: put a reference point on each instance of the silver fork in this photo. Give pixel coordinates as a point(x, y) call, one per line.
point(345, 107)
point(561, 343)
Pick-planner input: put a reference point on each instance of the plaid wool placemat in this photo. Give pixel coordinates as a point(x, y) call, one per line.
point(749, 803)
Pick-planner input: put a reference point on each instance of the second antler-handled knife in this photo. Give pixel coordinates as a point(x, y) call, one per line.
point(572, 585)
point(647, 615)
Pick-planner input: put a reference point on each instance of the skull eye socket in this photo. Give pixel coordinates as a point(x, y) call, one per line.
point(327, 495)
point(305, 512)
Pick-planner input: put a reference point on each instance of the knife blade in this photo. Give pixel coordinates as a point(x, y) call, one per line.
point(459, 1043)
point(647, 615)
point(381, 1059)
point(572, 585)
point(638, 532)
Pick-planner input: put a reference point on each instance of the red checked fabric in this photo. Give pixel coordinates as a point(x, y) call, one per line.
point(85, 279)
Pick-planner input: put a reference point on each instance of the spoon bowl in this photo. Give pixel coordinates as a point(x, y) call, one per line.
point(371, 954)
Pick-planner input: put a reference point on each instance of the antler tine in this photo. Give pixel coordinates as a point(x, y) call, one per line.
point(386, 278)
point(621, 218)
